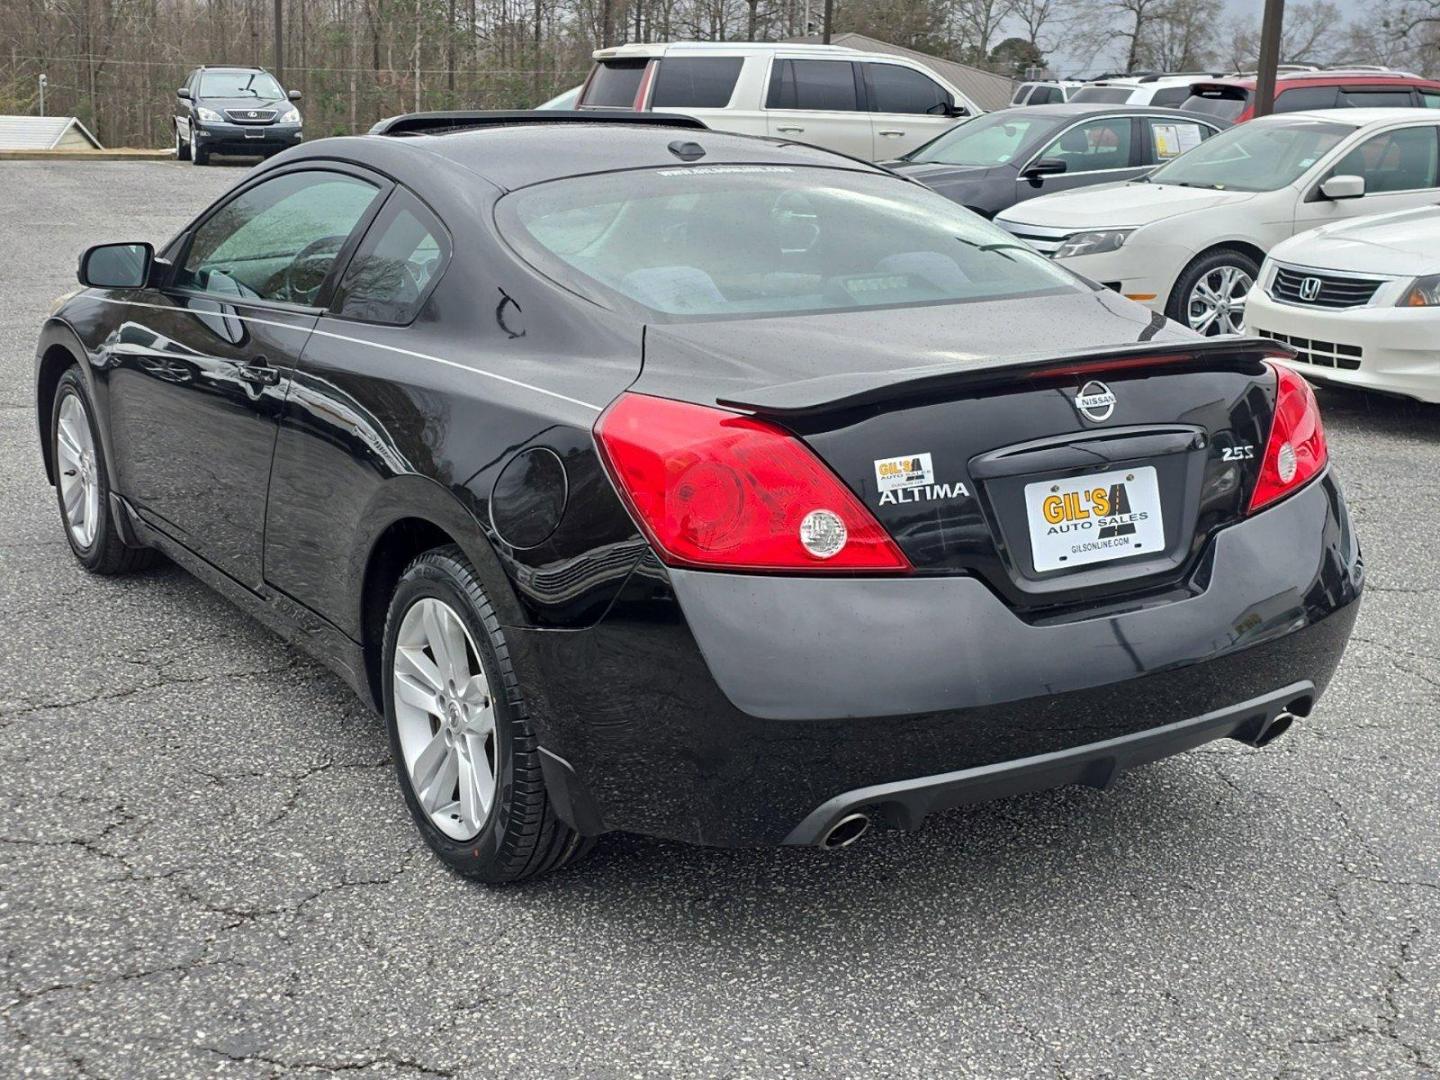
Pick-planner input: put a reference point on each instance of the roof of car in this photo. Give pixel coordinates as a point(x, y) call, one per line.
point(1327, 78)
point(728, 48)
point(1355, 117)
point(1102, 108)
point(518, 154)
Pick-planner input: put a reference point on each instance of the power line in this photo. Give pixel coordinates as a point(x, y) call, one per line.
point(181, 65)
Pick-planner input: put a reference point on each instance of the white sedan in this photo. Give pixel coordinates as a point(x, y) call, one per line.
point(1188, 240)
point(1359, 301)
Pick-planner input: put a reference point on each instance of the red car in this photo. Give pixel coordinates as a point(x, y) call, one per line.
point(1299, 91)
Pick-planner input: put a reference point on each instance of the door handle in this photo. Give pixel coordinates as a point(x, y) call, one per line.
point(259, 372)
point(892, 133)
point(790, 130)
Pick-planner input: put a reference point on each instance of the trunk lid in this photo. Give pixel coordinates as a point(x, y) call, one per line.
point(1091, 466)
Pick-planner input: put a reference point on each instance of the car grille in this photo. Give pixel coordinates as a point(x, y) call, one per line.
point(1321, 290)
point(1045, 241)
point(1320, 353)
point(250, 116)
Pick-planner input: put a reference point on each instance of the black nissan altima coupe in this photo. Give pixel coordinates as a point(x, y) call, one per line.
point(654, 479)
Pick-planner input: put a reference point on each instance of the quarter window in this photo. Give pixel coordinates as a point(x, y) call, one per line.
point(1377, 99)
point(1093, 147)
point(278, 239)
point(814, 85)
point(1403, 160)
point(896, 89)
point(402, 255)
point(1170, 97)
point(1171, 138)
point(695, 82)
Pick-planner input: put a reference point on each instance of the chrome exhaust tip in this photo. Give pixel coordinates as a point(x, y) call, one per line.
point(1277, 727)
point(846, 831)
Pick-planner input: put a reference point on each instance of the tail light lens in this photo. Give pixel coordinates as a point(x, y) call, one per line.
point(716, 490)
point(1296, 451)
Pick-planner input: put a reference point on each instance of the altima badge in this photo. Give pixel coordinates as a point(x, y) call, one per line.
point(1096, 401)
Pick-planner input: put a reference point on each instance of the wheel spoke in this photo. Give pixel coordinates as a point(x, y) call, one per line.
point(482, 776)
point(428, 764)
point(74, 501)
point(438, 636)
point(415, 664)
point(65, 443)
point(1204, 323)
point(440, 790)
point(92, 510)
point(409, 690)
point(472, 813)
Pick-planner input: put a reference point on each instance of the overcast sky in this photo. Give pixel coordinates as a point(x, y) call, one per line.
point(1063, 62)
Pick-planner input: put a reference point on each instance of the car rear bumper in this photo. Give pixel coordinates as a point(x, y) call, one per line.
point(1392, 350)
point(735, 709)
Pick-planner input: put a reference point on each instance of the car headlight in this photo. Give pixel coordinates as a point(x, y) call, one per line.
point(208, 116)
point(1423, 292)
point(1093, 243)
point(290, 116)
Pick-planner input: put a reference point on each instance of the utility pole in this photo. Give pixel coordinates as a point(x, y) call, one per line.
point(43, 81)
point(1269, 57)
point(280, 42)
point(829, 18)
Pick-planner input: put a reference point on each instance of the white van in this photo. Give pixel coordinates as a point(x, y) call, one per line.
point(868, 105)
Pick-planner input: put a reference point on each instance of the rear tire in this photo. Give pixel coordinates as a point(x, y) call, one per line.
point(1209, 297)
point(82, 485)
point(461, 718)
point(182, 148)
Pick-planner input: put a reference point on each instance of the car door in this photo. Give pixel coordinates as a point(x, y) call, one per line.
point(907, 108)
point(200, 373)
point(333, 451)
point(818, 101)
point(1102, 150)
point(1401, 170)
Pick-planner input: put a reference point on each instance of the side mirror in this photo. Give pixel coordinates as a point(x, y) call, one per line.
point(1046, 166)
point(294, 95)
point(1343, 187)
point(957, 111)
point(116, 266)
point(183, 92)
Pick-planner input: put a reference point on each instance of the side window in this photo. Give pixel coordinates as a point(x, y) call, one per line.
point(1403, 160)
point(1100, 144)
point(1046, 95)
point(1398, 98)
point(1170, 97)
point(1430, 99)
point(896, 89)
point(1301, 98)
point(817, 85)
point(695, 82)
point(402, 255)
point(1171, 138)
point(1020, 93)
point(278, 239)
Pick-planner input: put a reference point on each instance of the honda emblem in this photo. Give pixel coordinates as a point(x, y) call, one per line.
point(1309, 289)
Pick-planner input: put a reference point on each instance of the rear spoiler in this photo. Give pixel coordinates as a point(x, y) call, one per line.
point(849, 390)
point(438, 123)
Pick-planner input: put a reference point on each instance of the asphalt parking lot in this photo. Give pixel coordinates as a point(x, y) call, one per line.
point(206, 866)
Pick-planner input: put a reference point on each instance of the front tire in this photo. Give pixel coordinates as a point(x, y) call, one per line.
point(82, 484)
point(182, 148)
point(465, 753)
point(198, 154)
point(1209, 297)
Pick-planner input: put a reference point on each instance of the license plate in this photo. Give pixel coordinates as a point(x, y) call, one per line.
point(254, 134)
point(1094, 518)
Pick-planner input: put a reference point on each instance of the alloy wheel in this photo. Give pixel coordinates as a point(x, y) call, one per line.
point(79, 471)
point(445, 719)
point(1217, 301)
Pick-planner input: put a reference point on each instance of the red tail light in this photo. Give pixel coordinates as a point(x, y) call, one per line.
point(717, 490)
point(1296, 452)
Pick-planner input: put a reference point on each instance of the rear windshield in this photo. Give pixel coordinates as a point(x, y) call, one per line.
point(1222, 102)
point(1258, 156)
point(695, 82)
point(1103, 95)
point(993, 139)
point(746, 240)
point(615, 83)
